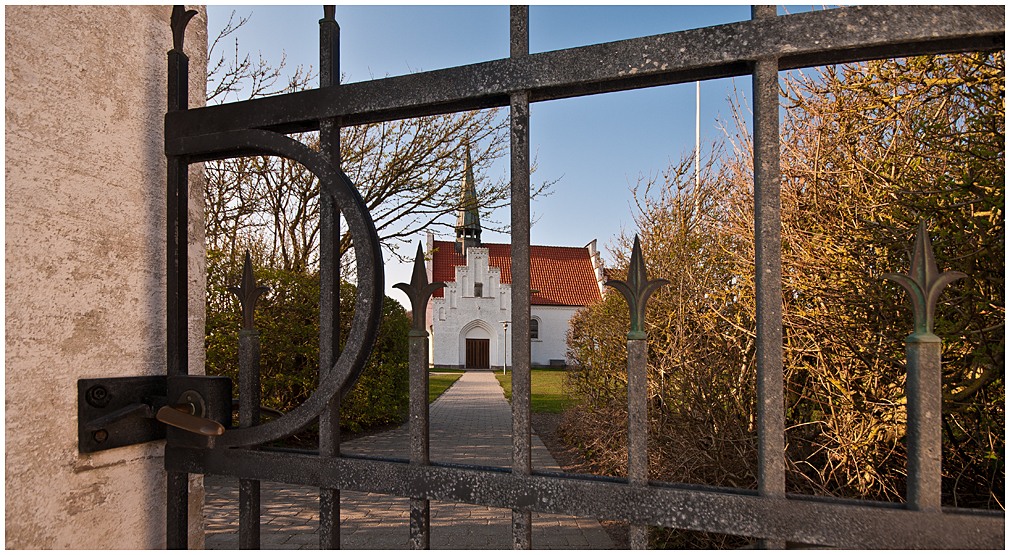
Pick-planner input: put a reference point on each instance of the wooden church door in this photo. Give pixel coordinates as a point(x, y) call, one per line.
point(478, 353)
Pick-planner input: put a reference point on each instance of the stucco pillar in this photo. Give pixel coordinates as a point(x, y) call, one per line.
point(85, 264)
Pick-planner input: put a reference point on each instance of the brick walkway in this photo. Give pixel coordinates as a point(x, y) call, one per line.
point(470, 423)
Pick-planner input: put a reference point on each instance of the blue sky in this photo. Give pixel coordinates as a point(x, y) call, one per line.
point(597, 146)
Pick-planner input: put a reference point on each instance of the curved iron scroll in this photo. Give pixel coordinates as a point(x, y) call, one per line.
point(368, 259)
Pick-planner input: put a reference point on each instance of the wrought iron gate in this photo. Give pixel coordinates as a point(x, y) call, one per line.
point(761, 48)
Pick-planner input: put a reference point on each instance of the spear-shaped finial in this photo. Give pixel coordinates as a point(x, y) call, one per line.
point(637, 290)
point(419, 290)
point(248, 292)
point(923, 283)
point(180, 18)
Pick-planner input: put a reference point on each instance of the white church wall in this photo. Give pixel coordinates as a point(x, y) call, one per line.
point(449, 335)
point(437, 331)
point(460, 312)
point(552, 342)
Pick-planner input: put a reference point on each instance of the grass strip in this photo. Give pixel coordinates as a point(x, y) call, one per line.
point(546, 390)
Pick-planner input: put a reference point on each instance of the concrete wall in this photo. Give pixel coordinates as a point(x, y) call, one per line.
point(85, 263)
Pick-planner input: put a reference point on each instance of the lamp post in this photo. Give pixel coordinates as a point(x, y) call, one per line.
point(504, 348)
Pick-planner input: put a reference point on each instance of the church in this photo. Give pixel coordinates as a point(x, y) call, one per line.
point(469, 319)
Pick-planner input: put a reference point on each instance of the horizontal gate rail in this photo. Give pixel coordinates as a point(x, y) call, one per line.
point(801, 40)
point(805, 519)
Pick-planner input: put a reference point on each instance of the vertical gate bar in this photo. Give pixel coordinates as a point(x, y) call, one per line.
point(924, 383)
point(419, 291)
point(329, 276)
point(925, 418)
point(176, 271)
point(248, 514)
point(768, 276)
point(248, 395)
point(249, 415)
point(249, 400)
point(636, 291)
point(177, 511)
point(519, 114)
point(420, 512)
point(638, 429)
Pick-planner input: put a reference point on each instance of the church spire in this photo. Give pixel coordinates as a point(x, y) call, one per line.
point(468, 218)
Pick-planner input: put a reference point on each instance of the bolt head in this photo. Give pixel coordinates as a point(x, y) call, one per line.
point(100, 436)
point(98, 396)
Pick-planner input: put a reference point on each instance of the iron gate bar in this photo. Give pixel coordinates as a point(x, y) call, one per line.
point(519, 251)
point(771, 418)
point(636, 291)
point(249, 398)
point(419, 291)
point(176, 269)
point(805, 519)
point(923, 384)
point(801, 40)
point(329, 279)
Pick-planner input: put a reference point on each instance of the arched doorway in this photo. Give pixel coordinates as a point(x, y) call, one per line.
point(476, 340)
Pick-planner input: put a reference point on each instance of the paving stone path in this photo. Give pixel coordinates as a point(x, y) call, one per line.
point(471, 423)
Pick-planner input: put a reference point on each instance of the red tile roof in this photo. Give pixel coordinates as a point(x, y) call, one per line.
point(562, 275)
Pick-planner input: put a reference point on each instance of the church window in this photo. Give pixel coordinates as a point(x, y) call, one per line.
point(478, 289)
point(534, 328)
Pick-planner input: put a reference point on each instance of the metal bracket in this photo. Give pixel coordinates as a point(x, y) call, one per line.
point(115, 412)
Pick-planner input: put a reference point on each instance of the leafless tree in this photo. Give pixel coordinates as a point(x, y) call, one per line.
point(407, 171)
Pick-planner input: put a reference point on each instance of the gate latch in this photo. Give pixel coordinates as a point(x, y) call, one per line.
point(114, 412)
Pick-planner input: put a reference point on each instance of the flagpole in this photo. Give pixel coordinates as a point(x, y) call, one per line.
point(697, 135)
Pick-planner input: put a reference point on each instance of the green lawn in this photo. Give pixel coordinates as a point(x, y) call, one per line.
point(438, 383)
point(547, 390)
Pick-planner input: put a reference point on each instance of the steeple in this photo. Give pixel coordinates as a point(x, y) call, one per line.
point(468, 218)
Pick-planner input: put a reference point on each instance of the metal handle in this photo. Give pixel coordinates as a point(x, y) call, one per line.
point(181, 416)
